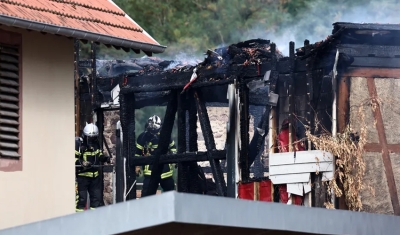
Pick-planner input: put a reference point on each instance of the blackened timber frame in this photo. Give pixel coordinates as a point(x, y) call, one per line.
point(127, 116)
point(210, 144)
point(244, 130)
point(165, 137)
point(173, 82)
point(183, 168)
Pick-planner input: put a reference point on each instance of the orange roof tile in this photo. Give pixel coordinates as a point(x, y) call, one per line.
point(96, 20)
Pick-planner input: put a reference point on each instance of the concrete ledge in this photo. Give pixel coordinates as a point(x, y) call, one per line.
point(174, 213)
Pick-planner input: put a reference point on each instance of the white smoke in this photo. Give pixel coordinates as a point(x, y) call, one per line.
point(183, 59)
point(315, 24)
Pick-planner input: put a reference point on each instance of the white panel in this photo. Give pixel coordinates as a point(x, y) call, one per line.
point(326, 176)
point(301, 157)
point(290, 178)
point(307, 187)
point(115, 94)
point(295, 189)
point(307, 200)
point(300, 168)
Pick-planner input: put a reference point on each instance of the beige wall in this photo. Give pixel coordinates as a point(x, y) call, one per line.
point(45, 187)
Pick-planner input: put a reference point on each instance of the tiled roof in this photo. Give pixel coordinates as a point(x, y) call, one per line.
point(96, 17)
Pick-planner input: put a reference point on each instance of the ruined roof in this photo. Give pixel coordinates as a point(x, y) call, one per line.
point(368, 33)
point(178, 213)
point(95, 20)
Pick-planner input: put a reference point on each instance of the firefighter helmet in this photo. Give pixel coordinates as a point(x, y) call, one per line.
point(154, 123)
point(90, 130)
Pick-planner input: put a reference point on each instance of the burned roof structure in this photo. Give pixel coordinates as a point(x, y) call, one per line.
point(314, 88)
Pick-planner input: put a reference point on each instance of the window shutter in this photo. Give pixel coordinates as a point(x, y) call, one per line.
point(9, 101)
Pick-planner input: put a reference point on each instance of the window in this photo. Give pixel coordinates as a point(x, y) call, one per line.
point(10, 66)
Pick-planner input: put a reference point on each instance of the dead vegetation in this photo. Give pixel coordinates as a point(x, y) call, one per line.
point(348, 148)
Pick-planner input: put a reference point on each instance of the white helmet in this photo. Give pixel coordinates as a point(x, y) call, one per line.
point(91, 130)
point(154, 123)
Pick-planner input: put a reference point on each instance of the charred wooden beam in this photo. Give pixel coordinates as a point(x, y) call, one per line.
point(256, 97)
point(195, 171)
point(210, 77)
point(165, 81)
point(129, 139)
point(178, 158)
point(100, 125)
point(210, 144)
point(183, 169)
point(169, 80)
point(361, 50)
point(291, 96)
point(244, 130)
point(377, 62)
point(192, 114)
point(165, 137)
point(309, 91)
point(119, 167)
point(274, 114)
point(355, 26)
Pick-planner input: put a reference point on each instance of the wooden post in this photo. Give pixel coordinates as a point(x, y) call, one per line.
point(309, 74)
point(291, 95)
point(210, 144)
point(244, 130)
point(165, 137)
point(183, 169)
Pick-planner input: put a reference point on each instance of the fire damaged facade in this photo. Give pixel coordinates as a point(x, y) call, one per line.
point(313, 90)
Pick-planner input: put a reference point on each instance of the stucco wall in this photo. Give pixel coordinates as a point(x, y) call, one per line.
point(45, 186)
point(388, 94)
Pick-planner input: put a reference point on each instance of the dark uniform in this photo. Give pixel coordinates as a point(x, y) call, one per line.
point(88, 179)
point(146, 145)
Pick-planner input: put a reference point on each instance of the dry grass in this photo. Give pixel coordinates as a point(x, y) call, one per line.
point(350, 164)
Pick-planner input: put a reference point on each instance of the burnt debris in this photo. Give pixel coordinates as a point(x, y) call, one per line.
point(297, 87)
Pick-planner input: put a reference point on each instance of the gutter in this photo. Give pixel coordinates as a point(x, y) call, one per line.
point(80, 34)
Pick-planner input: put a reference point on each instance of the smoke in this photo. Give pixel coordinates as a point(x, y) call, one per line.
point(315, 23)
point(183, 59)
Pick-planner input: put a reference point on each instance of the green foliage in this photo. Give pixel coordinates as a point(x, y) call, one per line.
point(193, 26)
point(141, 116)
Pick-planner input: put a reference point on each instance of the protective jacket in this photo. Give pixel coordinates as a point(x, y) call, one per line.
point(146, 145)
point(90, 153)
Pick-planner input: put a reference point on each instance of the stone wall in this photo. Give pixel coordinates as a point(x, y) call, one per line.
point(110, 124)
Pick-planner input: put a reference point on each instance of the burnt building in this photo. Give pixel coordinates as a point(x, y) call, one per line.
point(316, 88)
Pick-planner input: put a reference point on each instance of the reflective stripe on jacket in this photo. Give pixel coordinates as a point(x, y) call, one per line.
point(92, 155)
point(146, 145)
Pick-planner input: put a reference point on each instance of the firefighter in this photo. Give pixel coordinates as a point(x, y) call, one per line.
point(283, 143)
point(88, 156)
point(147, 143)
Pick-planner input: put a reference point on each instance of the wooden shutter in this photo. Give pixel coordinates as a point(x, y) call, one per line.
point(9, 101)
